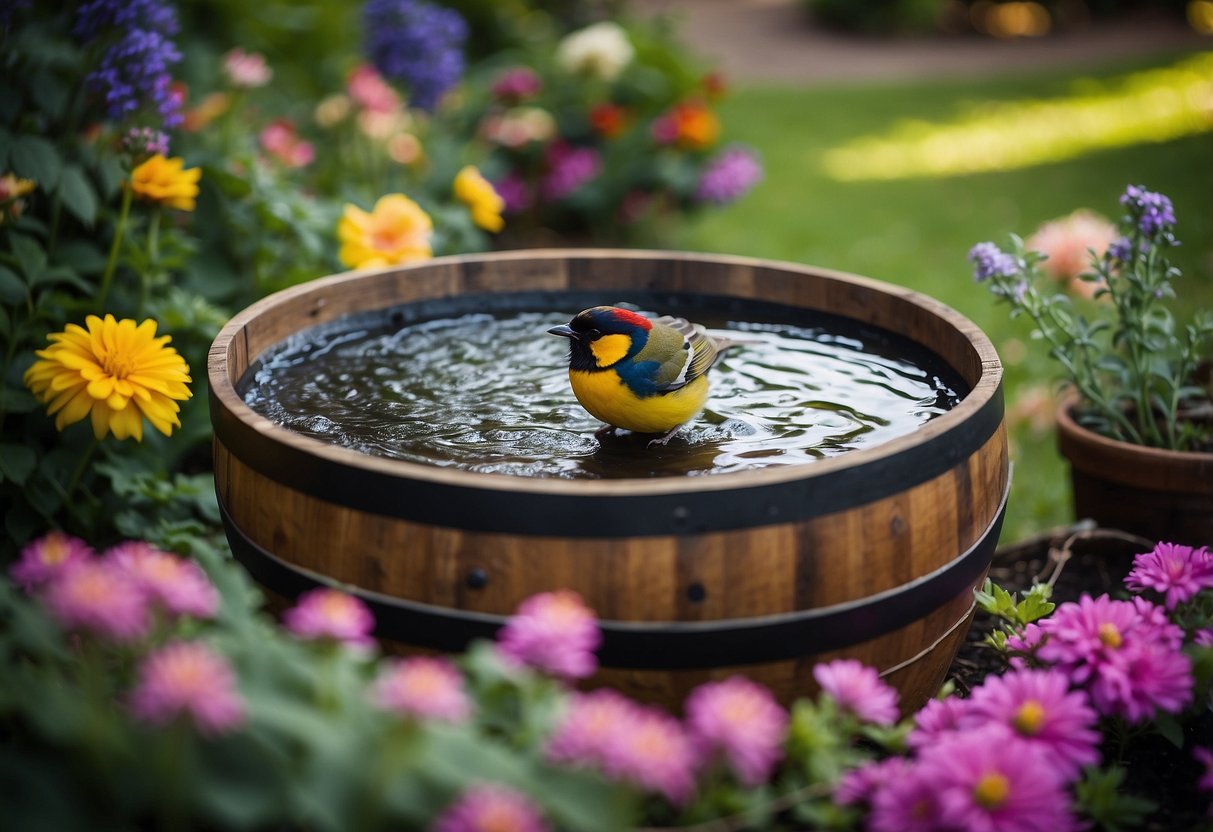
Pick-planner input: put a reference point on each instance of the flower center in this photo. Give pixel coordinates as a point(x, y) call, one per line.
point(991, 790)
point(118, 365)
point(1109, 635)
point(1029, 717)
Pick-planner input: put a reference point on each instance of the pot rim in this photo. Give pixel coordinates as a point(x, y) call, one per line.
point(984, 393)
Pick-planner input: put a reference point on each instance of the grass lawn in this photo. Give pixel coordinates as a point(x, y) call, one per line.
point(916, 232)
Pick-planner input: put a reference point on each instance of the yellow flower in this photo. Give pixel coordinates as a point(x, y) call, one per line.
point(395, 231)
point(115, 371)
point(167, 181)
point(477, 193)
point(13, 188)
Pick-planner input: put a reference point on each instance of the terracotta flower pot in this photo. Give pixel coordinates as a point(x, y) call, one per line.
point(1151, 492)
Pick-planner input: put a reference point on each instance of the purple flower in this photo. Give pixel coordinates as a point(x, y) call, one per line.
point(742, 721)
point(99, 597)
point(47, 557)
point(176, 585)
point(331, 614)
point(587, 727)
point(518, 196)
point(568, 169)
point(937, 718)
point(991, 261)
point(145, 142)
point(187, 679)
point(1203, 637)
point(554, 632)
point(857, 689)
point(417, 44)
point(94, 16)
point(517, 84)
point(907, 802)
point(859, 785)
point(1120, 249)
point(1039, 706)
point(1151, 212)
point(491, 808)
point(1204, 756)
point(424, 687)
point(1125, 653)
point(729, 176)
point(1177, 572)
point(989, 780)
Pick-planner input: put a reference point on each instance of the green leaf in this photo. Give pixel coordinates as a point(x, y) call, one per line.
point(30, 255)
point(12, 287)
point(1169, 728)
point(80, 255)
point(78, 195)
point(17, 462)
point(63, 276)
point(6, 144)
point(36, 158)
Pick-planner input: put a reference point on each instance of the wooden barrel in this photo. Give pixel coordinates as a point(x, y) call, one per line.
point(872, 554)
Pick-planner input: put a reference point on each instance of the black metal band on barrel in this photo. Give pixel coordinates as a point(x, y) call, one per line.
point(665, 645)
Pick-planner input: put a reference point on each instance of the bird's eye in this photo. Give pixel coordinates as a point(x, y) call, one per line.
point(592, 335)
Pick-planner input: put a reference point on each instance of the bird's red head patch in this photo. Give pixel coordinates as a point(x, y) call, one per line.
point(629, 317)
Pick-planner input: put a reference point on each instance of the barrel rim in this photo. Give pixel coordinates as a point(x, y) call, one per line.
point(984, 395)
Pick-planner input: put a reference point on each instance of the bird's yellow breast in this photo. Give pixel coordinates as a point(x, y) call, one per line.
point(607, 398)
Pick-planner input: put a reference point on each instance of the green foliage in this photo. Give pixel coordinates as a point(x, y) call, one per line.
point(1100, 797)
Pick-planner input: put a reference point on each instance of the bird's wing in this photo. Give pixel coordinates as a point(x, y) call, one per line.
point(690, 352)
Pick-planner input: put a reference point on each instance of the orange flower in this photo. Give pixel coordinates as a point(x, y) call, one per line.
point(698, 127)
point(167, 181)
point(397, 230)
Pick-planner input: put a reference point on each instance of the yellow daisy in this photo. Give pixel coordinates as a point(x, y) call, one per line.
point(115, 371)
point(478, 194)
point(395, 231)
point(167, 181)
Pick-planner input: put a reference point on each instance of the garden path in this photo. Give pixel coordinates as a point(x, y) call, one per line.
point(765, 41)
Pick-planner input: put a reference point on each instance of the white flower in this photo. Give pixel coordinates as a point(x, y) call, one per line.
point(601, 51)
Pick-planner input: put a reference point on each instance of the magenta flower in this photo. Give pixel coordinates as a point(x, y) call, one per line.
point(857, 786)
point(1125, 653)
point(1203, 637)
point(177, 585)
point(45, 558)
point(331, 614)
point(729, 176)
point(423, 687)
point(742, 721)
point(1204, 756)
point(516, 84)
point(96, 596)
point(569, 168)
point(585, 731)
point(939, 717)
point(554, 632)
point(858, 690)
point(989, 780)
point(1039, 706)
point(491, 808)
point(653, 752)
point(188, 679)
point(1175, 572)
point(907, 802)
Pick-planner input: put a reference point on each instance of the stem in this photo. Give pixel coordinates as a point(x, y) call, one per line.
point(106, 279)
point(77, 474)
point(153, 257)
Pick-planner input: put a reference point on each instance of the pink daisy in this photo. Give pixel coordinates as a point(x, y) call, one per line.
point(1039, 706)
point(331, 614)
point(907, 802)
point(857, 786)
point(246, 69)
point(653, 752)
point(177, 585)
point(741, 720)
point(554, 632)
point(188, 679)
point(989, 780)
point(1175, 572)
point(491, 808)
point(423, 687)
point(588, 725)
point(857, 689)
point(96, 596)
point(370, 92)
point(1145, 678)
point(939, 717)
point(44, 558)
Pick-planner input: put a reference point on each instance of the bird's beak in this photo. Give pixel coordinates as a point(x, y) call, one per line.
point(564, 331)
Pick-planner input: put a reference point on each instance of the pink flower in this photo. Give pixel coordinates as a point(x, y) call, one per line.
point(1204, 756)
point(177, 585)
point(280, 139)
point(246, 69)
point(1125, 653)
point(857, 689)
point(1203, 637)
point(516, 84)
point(989, 780)
point(188, 679)
point(907, 802)
point(743, 721)
point(491, 808)
point(423, 687)
point(554, 632)
point(97, 596)
point(370, 92)
point(516, 192)
point(937, 718)
point(858, 785)
point(569, 168)
point(1176, 572)
point(585, 731)
point(652, 751)
point(331, 614)
point(1039, 706)
point(1066, 242)
point(45, 558)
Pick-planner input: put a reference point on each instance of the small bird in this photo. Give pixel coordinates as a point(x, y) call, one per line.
point(646, 375)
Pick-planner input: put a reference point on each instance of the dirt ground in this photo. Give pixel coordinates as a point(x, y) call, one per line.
point(773, 41)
